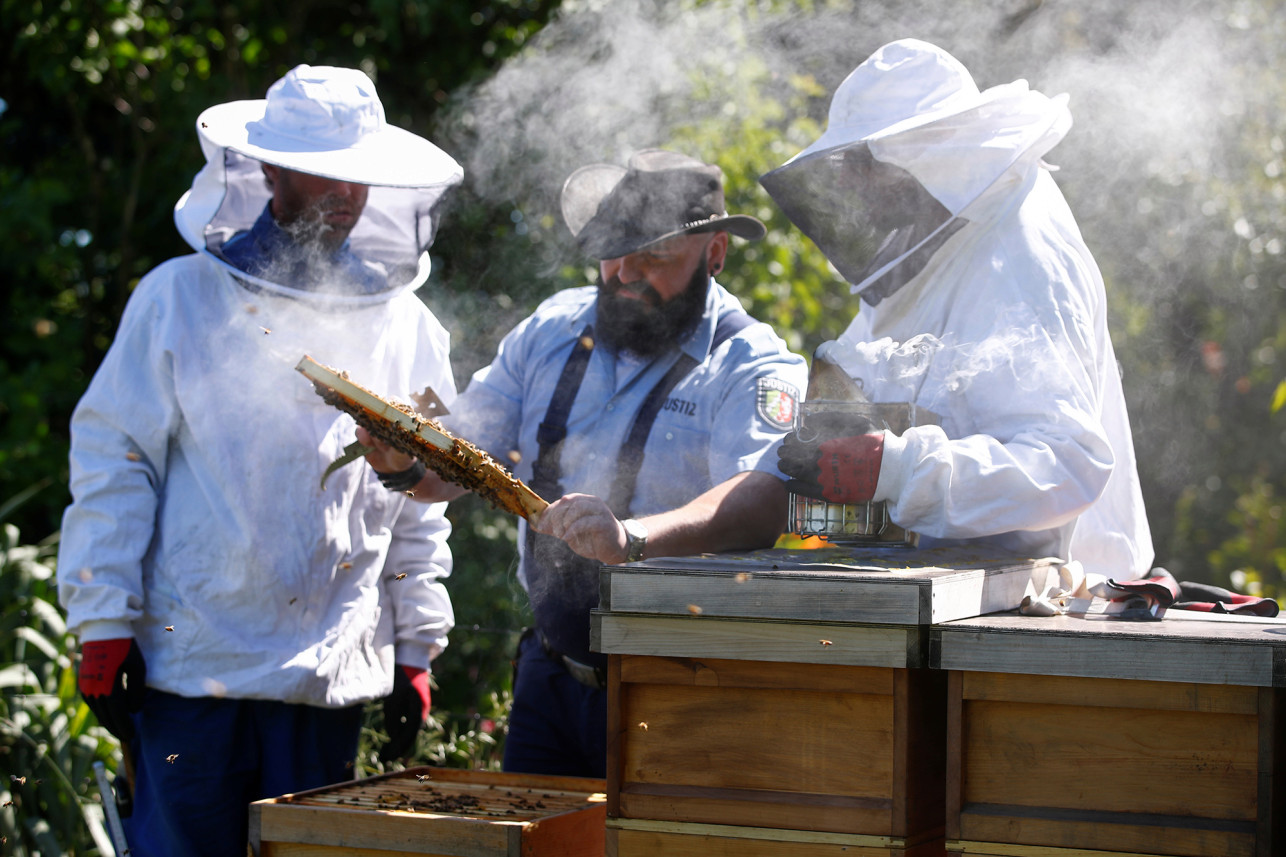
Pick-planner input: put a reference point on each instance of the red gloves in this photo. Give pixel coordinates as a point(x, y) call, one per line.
point(840, 470)
point(405, 710)
point(113, 680)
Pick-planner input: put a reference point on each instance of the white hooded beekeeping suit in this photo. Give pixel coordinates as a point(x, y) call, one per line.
point(198, 527)
point(981, 302)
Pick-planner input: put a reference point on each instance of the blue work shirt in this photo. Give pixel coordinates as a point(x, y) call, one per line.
point(726, 416)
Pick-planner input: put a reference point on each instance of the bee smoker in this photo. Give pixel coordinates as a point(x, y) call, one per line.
point(831, 391)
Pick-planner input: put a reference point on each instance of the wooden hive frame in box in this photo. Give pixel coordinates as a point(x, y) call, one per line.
point(436, 811)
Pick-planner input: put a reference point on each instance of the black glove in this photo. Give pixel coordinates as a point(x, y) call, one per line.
point(113, 681)
point(405, 710)
point(833, 456)
point(1215, 599)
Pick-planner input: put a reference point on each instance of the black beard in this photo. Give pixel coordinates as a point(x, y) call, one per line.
point(650, 326)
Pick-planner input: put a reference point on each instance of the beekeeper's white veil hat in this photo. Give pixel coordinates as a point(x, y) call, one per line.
point(911, 144)
point(329, 122)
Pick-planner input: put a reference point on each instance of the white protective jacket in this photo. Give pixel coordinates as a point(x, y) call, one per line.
point(198, 524)
point(1003, 334)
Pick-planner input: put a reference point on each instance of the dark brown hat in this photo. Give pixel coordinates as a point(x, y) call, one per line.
point(613, 211)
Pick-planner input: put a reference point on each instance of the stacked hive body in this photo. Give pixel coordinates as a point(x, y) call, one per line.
point(779, 703)
point(1089, 737)
point(436, 811)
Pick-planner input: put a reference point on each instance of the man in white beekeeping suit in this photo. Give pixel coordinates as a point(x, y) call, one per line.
point(981, 303)
point(235, 611)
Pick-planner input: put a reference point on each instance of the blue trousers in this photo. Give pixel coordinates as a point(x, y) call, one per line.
point(557, 725)
point(199, 762)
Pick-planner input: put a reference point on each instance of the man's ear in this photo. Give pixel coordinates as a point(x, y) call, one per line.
point(717, 253)
point(270, 172)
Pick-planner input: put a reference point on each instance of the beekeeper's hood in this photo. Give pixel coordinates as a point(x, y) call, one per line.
point(910, 150)
point(327, 122)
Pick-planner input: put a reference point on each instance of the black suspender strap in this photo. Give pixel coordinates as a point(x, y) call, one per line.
point(631, 456)
point(630, 460)
point(546, 470)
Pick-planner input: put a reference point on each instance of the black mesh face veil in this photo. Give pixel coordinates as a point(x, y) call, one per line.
point(875, 222)
point(396, 228)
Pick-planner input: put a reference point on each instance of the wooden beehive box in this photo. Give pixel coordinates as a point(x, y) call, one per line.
point(780, 702)
point(1076, 737)
point(436, 811)
point(716, 756)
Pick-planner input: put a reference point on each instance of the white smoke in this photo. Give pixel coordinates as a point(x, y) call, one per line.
point(1172, 102)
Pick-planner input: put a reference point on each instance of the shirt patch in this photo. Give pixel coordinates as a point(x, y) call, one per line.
point(777, 402)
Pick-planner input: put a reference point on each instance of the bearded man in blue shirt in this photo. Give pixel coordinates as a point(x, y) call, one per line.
point(648, 407)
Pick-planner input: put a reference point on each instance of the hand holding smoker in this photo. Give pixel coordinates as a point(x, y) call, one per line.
point(833, 457)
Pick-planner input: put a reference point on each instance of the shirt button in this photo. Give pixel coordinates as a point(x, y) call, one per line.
point(669, 435)
point(611, 407)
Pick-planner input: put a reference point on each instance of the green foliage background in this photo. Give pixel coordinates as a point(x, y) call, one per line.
point(1176, 170)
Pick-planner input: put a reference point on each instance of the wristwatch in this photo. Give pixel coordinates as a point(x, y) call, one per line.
point(635, 539)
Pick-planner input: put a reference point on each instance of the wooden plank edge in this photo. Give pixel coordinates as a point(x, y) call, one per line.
point(1005, 849)
point(833, 644)
point(347, 827)
point(778, 834)
point(1117, 657)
